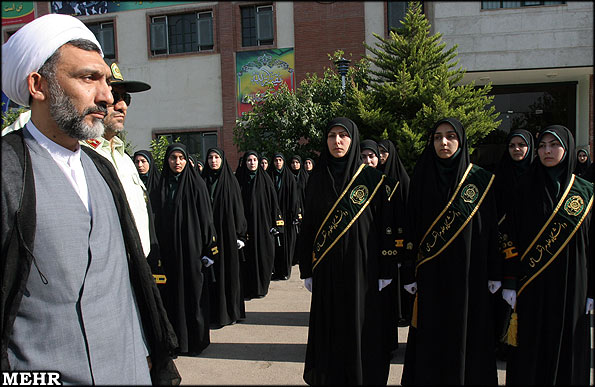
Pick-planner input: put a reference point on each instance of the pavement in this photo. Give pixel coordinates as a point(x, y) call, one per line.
point(269, 346)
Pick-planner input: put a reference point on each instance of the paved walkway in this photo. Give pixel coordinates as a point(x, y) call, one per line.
point(269, 346)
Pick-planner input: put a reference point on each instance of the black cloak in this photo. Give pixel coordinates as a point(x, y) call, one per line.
point(344, 335)
point(290, 204)
point(509, 172)
point(301, 177)
point(453, 342)
point(581, 169)
point(184, 224)
point(398, 301)
point(151, 178)
point(226, 298)
point(553, 329)
point(262, 214)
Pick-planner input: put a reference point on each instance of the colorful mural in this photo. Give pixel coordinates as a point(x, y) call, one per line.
point(258, 71)
point(80, 8)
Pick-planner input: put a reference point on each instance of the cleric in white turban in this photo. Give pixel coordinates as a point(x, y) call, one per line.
point(28, 49)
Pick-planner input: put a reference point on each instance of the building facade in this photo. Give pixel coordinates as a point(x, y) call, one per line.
point(201, 57)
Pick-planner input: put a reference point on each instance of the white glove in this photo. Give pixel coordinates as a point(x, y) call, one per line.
point(240, 244)
point(589, 305)
point(509, 296)
point(399, 265)
point(493, 286)
point(308, 284)
point(411, 288)
point(206, 261)
point(382, 283)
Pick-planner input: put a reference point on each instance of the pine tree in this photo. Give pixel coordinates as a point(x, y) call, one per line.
point(413, 82)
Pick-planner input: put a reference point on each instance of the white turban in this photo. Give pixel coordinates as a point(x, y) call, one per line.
point(28, 49)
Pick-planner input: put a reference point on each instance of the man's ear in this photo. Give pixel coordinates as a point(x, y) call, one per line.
point(38, 87)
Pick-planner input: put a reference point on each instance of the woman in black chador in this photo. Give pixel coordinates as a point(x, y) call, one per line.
point(290, 203)
point(264, 226)
point(583, 165)
point(342, 265)
point(184, 224)
point(548, 278)
point(151, 175)
point(399, 309)
point(513, 166)
point(226, 298)
point(300, 175)
point(453, 265)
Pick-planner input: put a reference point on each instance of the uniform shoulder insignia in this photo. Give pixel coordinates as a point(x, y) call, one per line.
point(93, 142)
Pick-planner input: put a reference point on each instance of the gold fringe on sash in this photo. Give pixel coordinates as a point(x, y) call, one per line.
point(511, 334)
point(414, 313)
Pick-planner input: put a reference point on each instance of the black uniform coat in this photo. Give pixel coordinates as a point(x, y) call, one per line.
point(453, 342)
point(184, 224)
point(398, 301)
point(553, 329)
point(226, 298)
point(344, 334)
point(290, 203)
point(262, 213)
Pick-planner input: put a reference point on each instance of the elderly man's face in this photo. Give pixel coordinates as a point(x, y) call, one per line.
point(79, 94)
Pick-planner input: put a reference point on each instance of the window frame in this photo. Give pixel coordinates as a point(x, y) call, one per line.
point(239, 26)
point(199, 49)
point(92, 22)
point(522, 4)
point(174, 133)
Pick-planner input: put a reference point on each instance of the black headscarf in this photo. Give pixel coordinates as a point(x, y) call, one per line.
point(268, 162)
point(277, 174)
point(371, 145)
point(211, 176)
point(434, 179)
point(393, 167)
point(509, 172)
point(313, 164)
point(341, 169)
point(151, 178)
point(582, 168)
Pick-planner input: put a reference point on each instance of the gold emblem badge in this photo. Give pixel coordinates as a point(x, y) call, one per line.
point(470, 193)
point(116, 72)
point(389, 231)
point(359, 194)
point(574, 205)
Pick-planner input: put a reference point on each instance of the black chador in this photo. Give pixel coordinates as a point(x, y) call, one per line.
point(509, 174)
point(340, 243)
point(264, 225)
point(548, 262)
point(152, 177)
point(452, 229)
point(184, 224)
point(290, 204)
point(301, 177)
point(226, 298)
point(398, 302)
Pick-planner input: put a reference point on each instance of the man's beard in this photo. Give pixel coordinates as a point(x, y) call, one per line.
point(72, 122)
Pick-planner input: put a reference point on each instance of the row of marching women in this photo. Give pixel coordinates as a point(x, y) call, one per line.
point(464, 256)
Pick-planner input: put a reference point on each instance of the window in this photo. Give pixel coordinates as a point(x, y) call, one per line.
point(190, 32)
point(197, 143)
point(396, 11)
point(257, 25)
point(104, 32)
point(516, 4)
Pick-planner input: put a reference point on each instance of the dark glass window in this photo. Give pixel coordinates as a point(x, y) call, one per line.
point(257, 25)
point(197, 143)
point(104, 32)
point(516, 4)
point(189, 32)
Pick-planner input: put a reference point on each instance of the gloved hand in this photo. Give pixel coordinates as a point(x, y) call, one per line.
point(411, 288)
point(274, 231)
point(509, 296)
point(589, 305)
point(399, 265)
point(308, 284)
point(382, 283)
point(240, 244)
point(206, 261)
point(296, 221)
point(493, 286)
